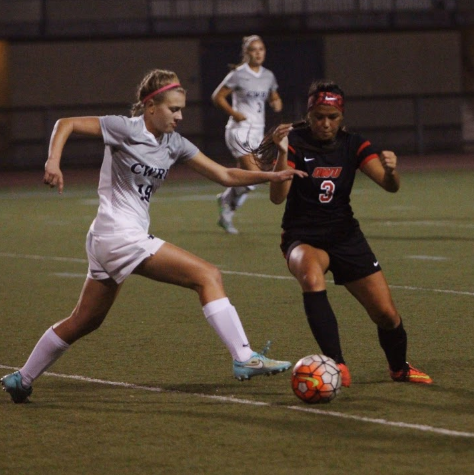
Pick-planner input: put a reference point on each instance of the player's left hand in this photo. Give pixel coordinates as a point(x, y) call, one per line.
point(389, 161)
point(276, 105)
point(280, 136)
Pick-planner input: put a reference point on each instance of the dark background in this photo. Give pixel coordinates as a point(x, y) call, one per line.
point(407, 67)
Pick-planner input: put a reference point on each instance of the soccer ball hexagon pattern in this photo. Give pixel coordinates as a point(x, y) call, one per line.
point(316, 379)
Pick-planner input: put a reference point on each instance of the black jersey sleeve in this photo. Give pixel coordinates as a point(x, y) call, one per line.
point(364, 150)
point(291, 156)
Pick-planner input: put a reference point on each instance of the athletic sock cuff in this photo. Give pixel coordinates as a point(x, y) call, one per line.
point(392, 331)
point(56, 340)
point(215, 306)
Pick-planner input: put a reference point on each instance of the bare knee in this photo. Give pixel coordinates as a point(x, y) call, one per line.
point(312, 282)
point(309, 265)
point(209, 281)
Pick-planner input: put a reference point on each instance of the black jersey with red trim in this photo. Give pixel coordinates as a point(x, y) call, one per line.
point(322, 200)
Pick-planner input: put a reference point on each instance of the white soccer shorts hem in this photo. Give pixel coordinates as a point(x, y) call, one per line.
point(117, 257)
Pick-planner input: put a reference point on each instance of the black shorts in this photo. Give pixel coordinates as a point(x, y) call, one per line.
point(351, 257)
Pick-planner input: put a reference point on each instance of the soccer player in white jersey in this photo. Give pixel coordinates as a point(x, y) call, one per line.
point(139, 152)
point(251, 86)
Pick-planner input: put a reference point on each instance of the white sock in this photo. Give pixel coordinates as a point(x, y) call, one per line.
point(240, 200)
point(226, 196)
point(48, 349)
point(225, 320)
point(240, 195)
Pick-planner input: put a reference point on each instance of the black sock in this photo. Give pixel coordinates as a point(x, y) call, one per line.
point(394, 344)
point(323, 324)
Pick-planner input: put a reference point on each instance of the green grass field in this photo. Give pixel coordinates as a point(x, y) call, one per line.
point(152, 391)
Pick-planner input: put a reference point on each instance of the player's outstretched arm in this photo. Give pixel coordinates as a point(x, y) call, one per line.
point(61, 132)
point(237, 176)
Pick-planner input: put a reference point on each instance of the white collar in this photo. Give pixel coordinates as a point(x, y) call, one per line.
point(148, 133)
point(252, 72)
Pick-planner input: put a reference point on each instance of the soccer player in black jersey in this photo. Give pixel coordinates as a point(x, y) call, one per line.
point(320, 232)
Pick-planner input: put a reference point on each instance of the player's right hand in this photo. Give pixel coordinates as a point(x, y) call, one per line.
point(53, 176)
point(239, 117)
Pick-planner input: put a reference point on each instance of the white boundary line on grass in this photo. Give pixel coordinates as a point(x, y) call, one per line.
point(226, 399)
point(385, 422)
point(248, 274)
point(43, 258)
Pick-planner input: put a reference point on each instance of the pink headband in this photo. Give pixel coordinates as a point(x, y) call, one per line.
point(161, 89)
point(326, 98)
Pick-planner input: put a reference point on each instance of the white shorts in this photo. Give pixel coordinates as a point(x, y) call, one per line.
point(117, 257)
point(240, 141)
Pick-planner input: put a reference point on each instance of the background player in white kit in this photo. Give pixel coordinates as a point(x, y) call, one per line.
point(251, 86)
point(139, 152)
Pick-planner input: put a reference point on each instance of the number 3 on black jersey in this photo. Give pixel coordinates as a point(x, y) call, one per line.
point(328, 187)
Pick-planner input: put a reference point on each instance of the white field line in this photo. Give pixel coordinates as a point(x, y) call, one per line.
point(262, 276)
point(427, 258)
point(228, 399)
point(248, 274)
point(42, 258)
point(428, 223)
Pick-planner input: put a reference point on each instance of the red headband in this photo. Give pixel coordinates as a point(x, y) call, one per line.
point(161, 89)
point(327, 99)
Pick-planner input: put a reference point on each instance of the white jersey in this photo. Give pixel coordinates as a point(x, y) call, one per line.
point(134, 166)
point(250, 91)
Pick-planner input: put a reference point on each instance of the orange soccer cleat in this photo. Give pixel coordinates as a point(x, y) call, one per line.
point(409, 374)
point(345, 375)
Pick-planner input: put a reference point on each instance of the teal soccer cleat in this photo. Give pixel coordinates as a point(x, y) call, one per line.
point(12, 385)
point(259, 364)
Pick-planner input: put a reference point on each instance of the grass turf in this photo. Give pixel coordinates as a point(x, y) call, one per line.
point(184, 413)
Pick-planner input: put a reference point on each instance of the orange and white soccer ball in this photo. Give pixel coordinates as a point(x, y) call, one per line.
point(316, 379)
